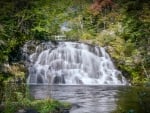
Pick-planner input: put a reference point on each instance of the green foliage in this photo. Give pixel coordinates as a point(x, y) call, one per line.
point(133, 100)
point(48, 105)
point(136, 32)
point(86, 36)
point(128, 52)
point(17, 97)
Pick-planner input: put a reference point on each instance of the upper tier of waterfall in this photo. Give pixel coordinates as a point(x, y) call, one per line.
point(70, 63)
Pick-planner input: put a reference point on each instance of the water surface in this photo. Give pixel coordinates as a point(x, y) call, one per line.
point(97, 99)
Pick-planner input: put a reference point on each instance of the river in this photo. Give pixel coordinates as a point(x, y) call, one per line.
point(97, 99)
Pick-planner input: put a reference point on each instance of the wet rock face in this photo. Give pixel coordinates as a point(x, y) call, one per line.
point(32, 46)
point(59, 80)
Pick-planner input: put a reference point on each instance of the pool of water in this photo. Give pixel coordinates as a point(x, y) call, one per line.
point(97, 99)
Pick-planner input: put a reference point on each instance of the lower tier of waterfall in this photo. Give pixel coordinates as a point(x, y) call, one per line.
point(70, 63)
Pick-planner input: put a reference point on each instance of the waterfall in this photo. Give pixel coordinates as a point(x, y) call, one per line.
point(71, 63)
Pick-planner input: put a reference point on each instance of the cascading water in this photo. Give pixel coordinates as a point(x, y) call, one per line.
point(71, 63)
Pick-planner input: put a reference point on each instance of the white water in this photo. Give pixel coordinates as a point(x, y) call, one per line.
point(72, 63)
